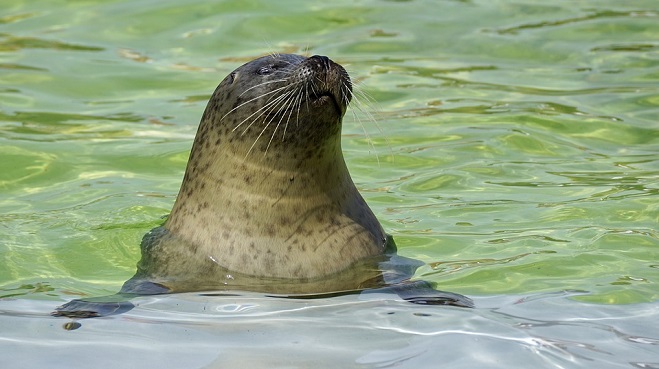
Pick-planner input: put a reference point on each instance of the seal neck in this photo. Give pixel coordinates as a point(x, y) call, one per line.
point(213, 180)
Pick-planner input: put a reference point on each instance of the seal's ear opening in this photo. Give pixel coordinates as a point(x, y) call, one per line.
point(231, 78)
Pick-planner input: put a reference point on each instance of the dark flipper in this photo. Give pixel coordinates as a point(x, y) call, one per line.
point(417, 292)
point(95, 307)
point(422, 293)
point(109, 305)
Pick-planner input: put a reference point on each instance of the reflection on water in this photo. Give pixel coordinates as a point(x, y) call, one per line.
point(518, 158)
point(372, 331)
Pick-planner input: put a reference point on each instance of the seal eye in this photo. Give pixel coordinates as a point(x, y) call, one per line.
point(264, 71)
point(231, 77)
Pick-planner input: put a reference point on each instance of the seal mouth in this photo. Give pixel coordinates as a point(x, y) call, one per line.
point(319, 99)
point(327, 97)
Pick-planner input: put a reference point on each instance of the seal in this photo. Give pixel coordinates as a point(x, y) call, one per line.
point(267, 202)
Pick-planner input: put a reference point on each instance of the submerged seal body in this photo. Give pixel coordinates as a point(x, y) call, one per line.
point(267, 203)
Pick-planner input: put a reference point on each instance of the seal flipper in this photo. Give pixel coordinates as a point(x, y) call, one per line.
point(422, 293)
point(95, 307)
point(118, 303)
point(396, 273)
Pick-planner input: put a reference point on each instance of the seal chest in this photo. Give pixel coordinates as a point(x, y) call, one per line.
point(266, 191)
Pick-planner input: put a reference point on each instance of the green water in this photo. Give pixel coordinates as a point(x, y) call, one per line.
point(515, 151)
